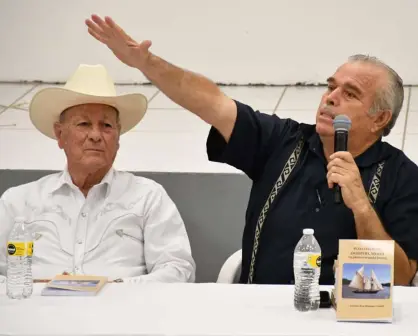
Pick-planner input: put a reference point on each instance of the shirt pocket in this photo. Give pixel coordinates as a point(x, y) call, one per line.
point(52, 235)
point(131, 233)
point(116, 236)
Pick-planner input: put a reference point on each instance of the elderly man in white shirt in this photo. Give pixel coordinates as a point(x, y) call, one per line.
point(90, 218)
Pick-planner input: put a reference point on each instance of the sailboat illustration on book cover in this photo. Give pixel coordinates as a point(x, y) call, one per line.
point(366, 281)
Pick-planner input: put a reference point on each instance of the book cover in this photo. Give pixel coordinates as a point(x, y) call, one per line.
point(364, 280)
point(70, 285)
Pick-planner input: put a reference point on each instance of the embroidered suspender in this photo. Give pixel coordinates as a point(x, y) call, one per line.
point(284, 175)
point(375, 185)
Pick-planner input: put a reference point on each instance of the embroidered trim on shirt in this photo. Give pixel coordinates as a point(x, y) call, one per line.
point(284, 175)
point(375, 185)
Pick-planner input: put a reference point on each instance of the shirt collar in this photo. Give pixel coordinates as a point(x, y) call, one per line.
point(64, 179)
point(374, 154)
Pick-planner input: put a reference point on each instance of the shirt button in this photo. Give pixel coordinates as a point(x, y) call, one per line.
point(83, 214)
point(317, 210)
point(80, 241)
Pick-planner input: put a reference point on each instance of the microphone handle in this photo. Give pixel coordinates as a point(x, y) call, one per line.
point(338, 197)
point(340, 144)
point(340, 141)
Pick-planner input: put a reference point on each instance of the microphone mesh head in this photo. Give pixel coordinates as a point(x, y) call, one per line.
point(342, 122)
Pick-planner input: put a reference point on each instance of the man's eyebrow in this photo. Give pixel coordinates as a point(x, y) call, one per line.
point(353, 88)
point(331, 80)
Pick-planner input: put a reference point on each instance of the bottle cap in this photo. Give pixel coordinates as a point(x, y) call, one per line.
point(308, 231)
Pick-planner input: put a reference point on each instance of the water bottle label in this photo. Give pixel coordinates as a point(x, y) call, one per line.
point(314, 260)
point(20, 249)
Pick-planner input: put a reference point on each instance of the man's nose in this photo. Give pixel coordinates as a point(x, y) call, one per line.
point(330, 101)
point(333, 98)
point(95, 134)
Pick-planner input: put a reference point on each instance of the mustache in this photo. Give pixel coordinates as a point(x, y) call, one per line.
point(328, 109)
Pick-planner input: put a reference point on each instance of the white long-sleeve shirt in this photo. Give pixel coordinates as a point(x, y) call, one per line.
point(127, 227)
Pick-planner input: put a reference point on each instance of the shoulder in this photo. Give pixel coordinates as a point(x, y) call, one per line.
point(276, 129)
point(24, 191)
point(399, 161)
point(143, 194)
point(137, 182)
point(400, 172)
point(137, 189)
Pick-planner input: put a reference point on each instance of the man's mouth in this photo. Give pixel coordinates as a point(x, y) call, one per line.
point(327, 113)
point(93, 150)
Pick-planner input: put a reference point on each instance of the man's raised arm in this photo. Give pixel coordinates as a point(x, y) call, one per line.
point(192, 91)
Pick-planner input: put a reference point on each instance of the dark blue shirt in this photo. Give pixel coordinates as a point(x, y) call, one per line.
point(260, 145)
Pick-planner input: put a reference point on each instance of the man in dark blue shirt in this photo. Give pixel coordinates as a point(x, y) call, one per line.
point(293, 166)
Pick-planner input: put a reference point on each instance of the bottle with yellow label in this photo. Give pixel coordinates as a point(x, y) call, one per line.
point(19, 261)
point(307, 269)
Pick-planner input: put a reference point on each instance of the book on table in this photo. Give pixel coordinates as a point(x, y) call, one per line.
point(74, 285)
point(364, 276)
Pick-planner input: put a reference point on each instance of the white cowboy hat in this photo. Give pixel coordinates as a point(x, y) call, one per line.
point(89, 84)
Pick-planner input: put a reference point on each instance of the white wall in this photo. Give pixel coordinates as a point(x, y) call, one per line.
point(170, 139)
point(239, 41)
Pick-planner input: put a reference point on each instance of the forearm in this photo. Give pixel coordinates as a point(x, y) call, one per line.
point(192, 91)
point(369, 226)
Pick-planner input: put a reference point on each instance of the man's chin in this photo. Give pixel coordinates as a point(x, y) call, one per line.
point(94, 163)
point(324, 130)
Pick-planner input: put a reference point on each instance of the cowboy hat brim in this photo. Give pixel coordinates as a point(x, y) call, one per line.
point(48, 104)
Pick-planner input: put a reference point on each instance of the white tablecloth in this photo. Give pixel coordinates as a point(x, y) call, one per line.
point(190, 309)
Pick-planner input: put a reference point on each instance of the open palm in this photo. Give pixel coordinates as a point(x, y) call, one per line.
point(126, 49)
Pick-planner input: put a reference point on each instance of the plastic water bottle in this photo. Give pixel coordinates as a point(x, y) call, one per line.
point(307, 269)
point(19, 261)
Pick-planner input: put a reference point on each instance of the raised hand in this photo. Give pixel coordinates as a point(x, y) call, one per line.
point(125, 48)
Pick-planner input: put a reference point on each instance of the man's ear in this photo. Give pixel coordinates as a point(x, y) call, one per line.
point(381, 120)
point(118, 144)
point(119, 129)
point(58, 133)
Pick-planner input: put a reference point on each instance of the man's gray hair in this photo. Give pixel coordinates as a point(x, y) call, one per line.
point(389, 97)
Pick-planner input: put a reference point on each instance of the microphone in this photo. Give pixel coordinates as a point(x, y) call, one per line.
point(342, 125)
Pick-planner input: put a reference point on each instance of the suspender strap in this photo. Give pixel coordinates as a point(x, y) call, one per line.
point(375, 185)
point(284, 175)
